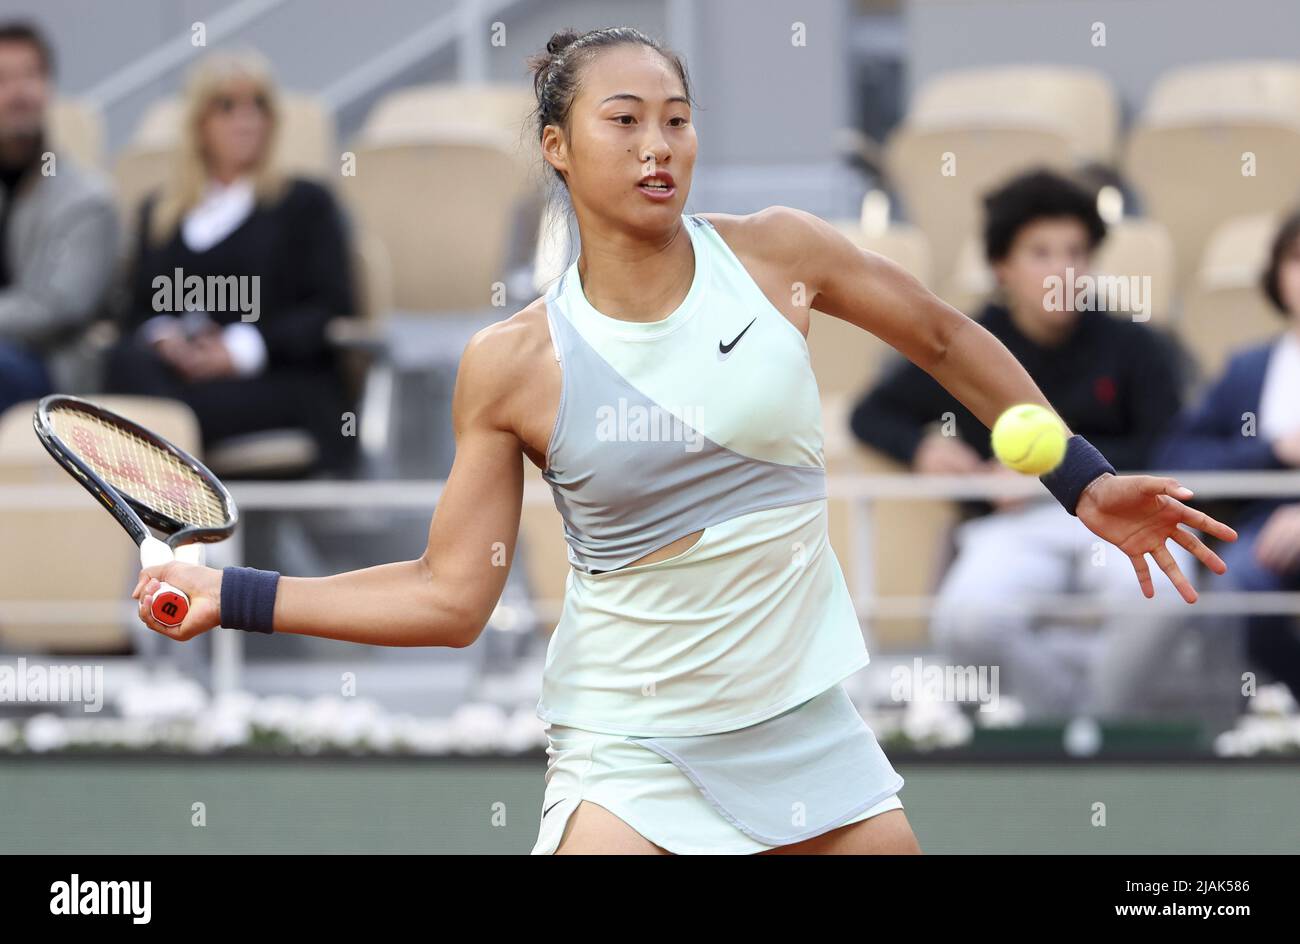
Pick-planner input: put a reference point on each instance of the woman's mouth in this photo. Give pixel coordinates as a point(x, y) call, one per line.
point(657, 189)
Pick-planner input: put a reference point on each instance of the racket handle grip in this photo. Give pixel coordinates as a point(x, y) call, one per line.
point(169, 605)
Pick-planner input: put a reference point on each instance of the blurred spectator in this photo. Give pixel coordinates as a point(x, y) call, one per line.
point(58, 234)
point(1111, 380)
point(1250, 419)
point(238, 270)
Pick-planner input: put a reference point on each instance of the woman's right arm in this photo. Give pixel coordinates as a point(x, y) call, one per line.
point(442, 598)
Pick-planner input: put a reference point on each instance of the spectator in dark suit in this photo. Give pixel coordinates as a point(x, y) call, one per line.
point(1250, 419)
point(58, 234)
point(1112, 380)
point(238, 270)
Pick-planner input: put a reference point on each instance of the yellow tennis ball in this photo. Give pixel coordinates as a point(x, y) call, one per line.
point(1029, 438)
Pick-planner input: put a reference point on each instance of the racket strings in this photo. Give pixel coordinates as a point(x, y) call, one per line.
point(136, 467)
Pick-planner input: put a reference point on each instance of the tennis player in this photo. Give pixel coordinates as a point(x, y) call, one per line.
point(692, 690)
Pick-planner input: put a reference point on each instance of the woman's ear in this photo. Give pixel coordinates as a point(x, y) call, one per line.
point(555, 149)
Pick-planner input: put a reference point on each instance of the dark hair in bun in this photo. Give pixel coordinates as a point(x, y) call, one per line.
point(557, 71)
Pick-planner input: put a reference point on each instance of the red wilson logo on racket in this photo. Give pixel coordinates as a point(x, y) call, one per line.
point(169, 607)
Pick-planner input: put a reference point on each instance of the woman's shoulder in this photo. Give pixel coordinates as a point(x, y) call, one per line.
point(775, 229)
point(787, 244)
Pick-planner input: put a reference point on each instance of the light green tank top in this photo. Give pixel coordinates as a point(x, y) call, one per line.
point(707, 419)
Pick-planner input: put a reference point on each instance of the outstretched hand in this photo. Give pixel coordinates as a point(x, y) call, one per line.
point(1138, 513)
point(201, 584)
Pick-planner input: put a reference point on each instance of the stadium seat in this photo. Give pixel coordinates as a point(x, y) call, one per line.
point(77, 555)
point(271, 453)
point(972, 281)
point(1141, 247)
point(77, 128)
point(1185, 154)
point(909, 538)
point(1226, 308)
point(146, 161)
point(995, 123)
point(545, 553)
point(418, 109)
point(447, 206)
point(1080, 103)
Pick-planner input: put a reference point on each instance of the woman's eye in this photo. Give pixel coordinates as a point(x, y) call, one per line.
point(678, 122)
point(620, 118)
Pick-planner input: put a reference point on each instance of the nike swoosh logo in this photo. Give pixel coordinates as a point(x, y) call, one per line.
point(551, 807)
point(726, 348)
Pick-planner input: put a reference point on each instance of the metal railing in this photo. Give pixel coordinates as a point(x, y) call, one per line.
point(863, 492)
point(175, 52)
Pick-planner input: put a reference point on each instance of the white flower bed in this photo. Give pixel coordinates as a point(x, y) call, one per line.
point(1271, 727)
point(179, 716)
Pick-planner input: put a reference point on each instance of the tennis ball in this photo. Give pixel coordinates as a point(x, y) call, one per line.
point(1029, 438)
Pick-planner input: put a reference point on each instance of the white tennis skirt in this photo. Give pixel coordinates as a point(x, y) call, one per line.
point(794, 776)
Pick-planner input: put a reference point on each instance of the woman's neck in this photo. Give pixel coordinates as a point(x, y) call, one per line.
point(633, 279)
point(227, 175)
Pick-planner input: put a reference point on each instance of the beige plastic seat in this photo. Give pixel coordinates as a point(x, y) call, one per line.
point(972, 281)
point(416, 110)
point(77, 128)
point(306, 146)
point(446, 208)
point(146, 162)
point(1143, 248)
point(271, 453)
point(78, 557)
point(1080, 103)
point(909, 538)
point(1133, 247)
point(995, 123)
point(1226, 308)
point(1185, 154)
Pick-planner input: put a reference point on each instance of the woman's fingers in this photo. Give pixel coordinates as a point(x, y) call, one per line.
point(1203, 522)
point(1172, 571)
point(1139, 562)
point(1201, 552)
point(1167, 486)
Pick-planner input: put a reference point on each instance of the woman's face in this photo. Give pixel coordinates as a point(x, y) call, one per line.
point(629, 120)
point(1288, 281)
point(236, 128)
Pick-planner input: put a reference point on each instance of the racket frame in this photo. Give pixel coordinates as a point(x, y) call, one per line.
point(132, 513)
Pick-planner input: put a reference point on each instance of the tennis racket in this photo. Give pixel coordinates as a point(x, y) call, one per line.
point(144, 481)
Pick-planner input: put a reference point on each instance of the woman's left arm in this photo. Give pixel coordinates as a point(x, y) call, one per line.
point(1136, 513)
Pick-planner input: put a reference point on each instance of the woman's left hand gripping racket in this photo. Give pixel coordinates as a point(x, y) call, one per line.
point(143, 480)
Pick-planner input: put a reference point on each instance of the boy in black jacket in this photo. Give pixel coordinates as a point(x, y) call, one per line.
point(1111, 379)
